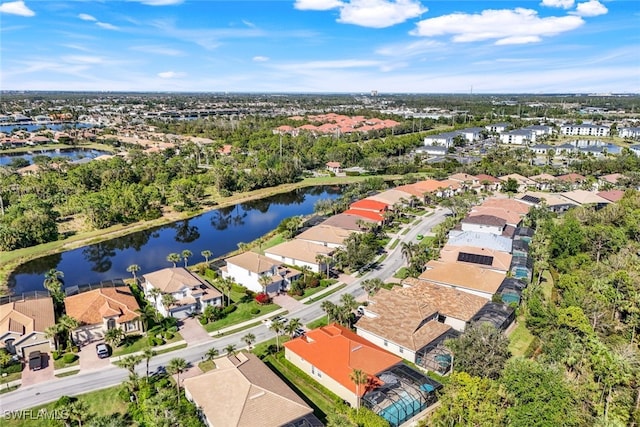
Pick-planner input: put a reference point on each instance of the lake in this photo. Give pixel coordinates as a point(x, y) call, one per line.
point(71, 154)
point(219, 231)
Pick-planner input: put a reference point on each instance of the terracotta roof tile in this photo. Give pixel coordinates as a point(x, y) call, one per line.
point(92, 307)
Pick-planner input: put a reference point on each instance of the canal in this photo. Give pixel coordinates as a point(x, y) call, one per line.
point(71, 154)
point(218, 231)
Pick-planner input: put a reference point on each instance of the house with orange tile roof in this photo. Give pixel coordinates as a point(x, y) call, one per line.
point(504, 203)
point(405, 320)
point(373, 216)
point(190, 293)
point(465, 277)
point(510, 217)
point(370, 205)
point(333, 167)
point(253, 395)
point(23, 323)
point(611, 195)
point(330, 354)
point(248, 267)
point(573, 179)
point(102, 309)
point(488, 182)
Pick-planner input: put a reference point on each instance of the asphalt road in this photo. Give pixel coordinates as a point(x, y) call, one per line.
point(38, 394)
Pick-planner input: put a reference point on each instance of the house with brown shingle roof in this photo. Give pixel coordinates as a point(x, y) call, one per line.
point(190, 293)
point(482, 257)
point(347, 221)
point(99, 310)
point(325, 235)
point(243, 392)
point(465, 277)
point(405, 320)
point(23, 324)
point(248, 267)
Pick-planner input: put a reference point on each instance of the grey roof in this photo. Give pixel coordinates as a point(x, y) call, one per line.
point(480, 240)
point(541, 147)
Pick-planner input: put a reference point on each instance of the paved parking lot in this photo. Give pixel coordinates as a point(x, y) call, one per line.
point(89, 358)
point(30, 377)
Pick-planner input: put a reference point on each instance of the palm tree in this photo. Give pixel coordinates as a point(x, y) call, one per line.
point(129, 363)
point(206, 254)
point(67, 325)
point(265, 281)
point(322, 259)
point(277, 326)
point(211, 354)
point(52, 279)
point(230, 350)
point(148, 314)
point(225, 285)
point(133, 269)
point(147, 354)
point(359, 378)
point(155, 293)
point(174, 258)
point(408, 250)
point(291, 327)
point(330, 309)
point(249, 339)
point(305, 270)
point(167, 301)
point(114, 336)
point(176, 366)
point(371, 286)
point(186, 254)
point(53, 331)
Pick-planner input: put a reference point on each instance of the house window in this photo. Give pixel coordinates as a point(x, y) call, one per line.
point(441, 318)
point(386, 343)
point(313, 369)
point(400, 349)
point(111, 323)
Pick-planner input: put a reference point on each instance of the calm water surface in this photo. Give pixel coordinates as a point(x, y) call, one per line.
point(219, 231)
point(73, 154)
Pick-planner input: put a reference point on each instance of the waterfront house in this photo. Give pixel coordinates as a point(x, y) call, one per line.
point(325, 235)
point(23, 323)
point(300, 253)
point(100, 310)
point(247, 269)
point(190, 294)
point(241, 391)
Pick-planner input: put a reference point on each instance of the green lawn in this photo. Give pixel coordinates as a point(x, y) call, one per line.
point(520, 339)
point(242, 314)
point(68, 374)
point(140, 344)
point(308, 292)
point(59, 364)
point(261, 350)
point(326, 294)
point(394, 244)
point(403, 273)
point(10, 377)
point(273, 241)
point(207, 365)
point(318, 323)
point(100, 402)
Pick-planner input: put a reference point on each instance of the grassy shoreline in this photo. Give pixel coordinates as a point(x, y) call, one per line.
point(9, 261)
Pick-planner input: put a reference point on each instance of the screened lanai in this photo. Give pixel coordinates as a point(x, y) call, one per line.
point(404, 394)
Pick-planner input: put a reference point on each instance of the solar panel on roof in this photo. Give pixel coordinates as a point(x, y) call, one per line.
point(475, 259)
point(530, 199)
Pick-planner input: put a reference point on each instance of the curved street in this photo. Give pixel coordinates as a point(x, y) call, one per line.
point(38, 394)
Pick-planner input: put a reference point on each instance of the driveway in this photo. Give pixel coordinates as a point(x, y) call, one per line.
point(89, 359)
point(30, 377)
point(288, 303)
point(192, 331)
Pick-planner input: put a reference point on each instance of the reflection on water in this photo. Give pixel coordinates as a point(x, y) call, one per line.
point(218, 231)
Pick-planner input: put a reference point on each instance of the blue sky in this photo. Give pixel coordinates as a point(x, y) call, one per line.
point(542, 46)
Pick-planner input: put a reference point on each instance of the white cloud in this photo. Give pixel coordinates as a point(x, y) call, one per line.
point(87, 17)
point(590, 8)
point(16, 8)
point(317, 4)
point(248, 23)
point(170, 75)
point(368, 13)
point(158, 50)
point(415, 48)
point(106, 26)
point(379, 13)
point(505, 26)
point(83, 59)
point(260, 59)
point(331, 64)
point(564, 4)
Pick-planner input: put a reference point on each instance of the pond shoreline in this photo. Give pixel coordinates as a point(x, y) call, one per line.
point(12, 260)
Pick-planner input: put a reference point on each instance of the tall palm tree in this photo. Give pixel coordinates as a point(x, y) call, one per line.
point(176, 366)
point(249, 339)
point(186, 254)
point(305, 270)
point(129, 363)
point(53, 331)
point(277, 326)
point(408, 251)
point(226, 284)
point(174, 258)
point(148, 314)
point(147, 355)
point(211, 354)
point(155, 293)
point(114, 336)
point(206, 254)
point(230, 350)
point(167, 301)
point(321, 259)
point(291, 327)
point(53, 283)
point(330, 309)
point(359, 378)
point(67, 325)
point(265, 281)
point(133, 269)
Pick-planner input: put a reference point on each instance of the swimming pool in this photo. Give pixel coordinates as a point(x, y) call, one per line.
point(402, 410)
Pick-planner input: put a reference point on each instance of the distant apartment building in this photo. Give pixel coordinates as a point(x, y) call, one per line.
point(584, 130)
